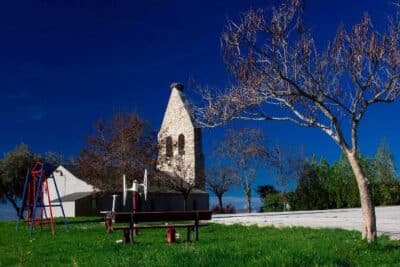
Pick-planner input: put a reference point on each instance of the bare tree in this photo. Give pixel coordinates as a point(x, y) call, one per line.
point(123, 145)
point(177, 169)
point(276, 63)
point(287, 164)
point(245, 149)
point(219, 179)
point(177, 180)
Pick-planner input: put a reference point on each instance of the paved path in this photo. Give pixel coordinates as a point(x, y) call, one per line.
point(388, 219)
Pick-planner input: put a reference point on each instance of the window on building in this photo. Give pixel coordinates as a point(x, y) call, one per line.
point(181, 144)
point(168, 146)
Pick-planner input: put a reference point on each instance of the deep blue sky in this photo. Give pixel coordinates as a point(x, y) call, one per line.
point(62, 66)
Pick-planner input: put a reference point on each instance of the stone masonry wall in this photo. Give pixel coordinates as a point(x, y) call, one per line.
point(177, 120)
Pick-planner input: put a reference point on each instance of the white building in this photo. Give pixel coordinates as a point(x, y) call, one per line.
point(180, 154)
point(71, 189)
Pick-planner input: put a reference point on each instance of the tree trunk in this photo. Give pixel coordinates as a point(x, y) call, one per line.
point(248, 199)
point(184, 204)
point(283, 199)
point(367, 206)
point(14, 204)
point(220, 203)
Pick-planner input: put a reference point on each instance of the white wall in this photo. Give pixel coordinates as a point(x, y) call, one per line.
point(69, 209)
point(177, 121)
point(67, 183)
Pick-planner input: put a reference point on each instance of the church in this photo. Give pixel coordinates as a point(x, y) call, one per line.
point(179, 140)
point(180, 152)
point(180, 161)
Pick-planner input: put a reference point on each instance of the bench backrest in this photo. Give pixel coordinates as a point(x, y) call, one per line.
point(162, 216)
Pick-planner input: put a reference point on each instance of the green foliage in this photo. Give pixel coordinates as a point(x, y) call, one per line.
point(15, 163)
point(273, 202)
point(321, 186)
point(13, 168)
point(385, 182)
point(341, 184)
point(385, 170)
point(264, 190)
point(87, 244)
point(311, 192)
point(54, 159)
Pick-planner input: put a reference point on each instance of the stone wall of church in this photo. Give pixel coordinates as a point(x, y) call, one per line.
point(187, 163)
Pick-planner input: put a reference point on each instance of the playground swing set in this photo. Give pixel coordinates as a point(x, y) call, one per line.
point(37, 206)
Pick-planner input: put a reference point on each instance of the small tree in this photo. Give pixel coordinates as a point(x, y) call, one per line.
point(177, 180)
point(276, 63)
point(54, 159)
point(219, 179)
point(287, 165)
point(123, 145)
point(385, 169)
point(245, 149)
point(13, 170)
point(342, 186)
point(386, 183)
point(311, 190)
point(264, 190)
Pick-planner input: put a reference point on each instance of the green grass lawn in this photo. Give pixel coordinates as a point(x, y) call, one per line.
point(87, 244)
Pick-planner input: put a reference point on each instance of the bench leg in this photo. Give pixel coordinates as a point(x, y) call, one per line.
point(126, 236)
point(196, 231)
point(108, 223)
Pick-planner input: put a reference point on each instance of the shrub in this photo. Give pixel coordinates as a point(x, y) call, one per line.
point(228, 209)
point(272, 202)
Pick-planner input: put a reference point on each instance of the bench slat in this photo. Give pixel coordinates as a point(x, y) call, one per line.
point(163, 216)
point(157, 226)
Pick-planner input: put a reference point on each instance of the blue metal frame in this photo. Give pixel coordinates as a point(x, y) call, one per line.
point(21, 210)
point(59, 201)
point(38, 200)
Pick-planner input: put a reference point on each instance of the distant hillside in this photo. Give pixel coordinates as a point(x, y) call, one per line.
point(7, 212)
point(238, 202)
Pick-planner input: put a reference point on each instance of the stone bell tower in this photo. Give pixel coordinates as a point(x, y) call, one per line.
point(180, 147)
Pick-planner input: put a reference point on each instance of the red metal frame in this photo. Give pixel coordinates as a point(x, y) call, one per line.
point(40, 217)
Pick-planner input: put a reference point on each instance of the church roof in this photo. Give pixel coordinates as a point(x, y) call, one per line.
point(74, 196)
point(185, 104)
point(189, 108)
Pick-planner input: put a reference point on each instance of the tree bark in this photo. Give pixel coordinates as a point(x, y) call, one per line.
point(14, 204)
point(220, 203)
point(248, 199)
point(368, 210)
point(185, 199)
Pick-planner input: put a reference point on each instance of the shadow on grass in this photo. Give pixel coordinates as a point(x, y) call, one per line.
point(80, 221)
point(386, 247)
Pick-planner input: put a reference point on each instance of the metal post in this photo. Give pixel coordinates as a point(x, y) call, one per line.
point(113, 203)
point(196, 227)
point(38, 193)
point(135, 196)
point(60, 202)
point(21, 210)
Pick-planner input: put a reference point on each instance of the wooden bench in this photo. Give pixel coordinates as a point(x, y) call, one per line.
point(135, 220)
